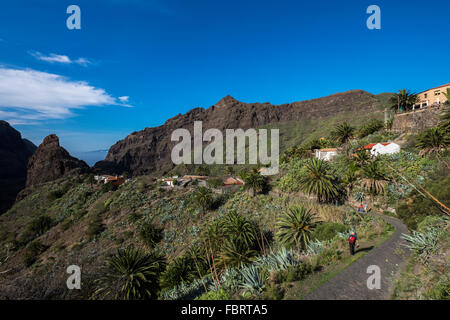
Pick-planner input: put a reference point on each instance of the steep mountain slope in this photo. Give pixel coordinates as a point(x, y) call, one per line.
point(14, 155)
point(148, 151)
point(51, 161)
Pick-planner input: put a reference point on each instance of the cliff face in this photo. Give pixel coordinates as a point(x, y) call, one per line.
point(149, 150)
point(14, 155)
point(413, 122)
point(51, 161)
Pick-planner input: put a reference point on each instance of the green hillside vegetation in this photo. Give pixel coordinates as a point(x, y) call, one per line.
point(271, 239)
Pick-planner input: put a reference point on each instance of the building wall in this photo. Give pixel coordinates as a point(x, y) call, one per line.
point(416, 121)
point(432, 96)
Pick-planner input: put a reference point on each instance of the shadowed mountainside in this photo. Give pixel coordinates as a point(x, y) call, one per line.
point(14, 155)
point(148, 151)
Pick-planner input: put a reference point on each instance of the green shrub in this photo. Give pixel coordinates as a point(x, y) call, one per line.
point(327, 230)
point(107, 187)
point(134, 217)
point(273, 292)
point(299, 272)
point(328, 256)
point(416, 208)
point(37, 227)
point(95, 226)
point(214, 182)
point(33, 250)
point(215, 295)
point(56, 194)
point(181, 270)
point(150, 235)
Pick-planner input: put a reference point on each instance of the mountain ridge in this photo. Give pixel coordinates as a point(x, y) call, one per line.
point(148, 151)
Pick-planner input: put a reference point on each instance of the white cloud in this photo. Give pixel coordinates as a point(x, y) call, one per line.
point(124, 99)
point(57, 58)
point(28, 95)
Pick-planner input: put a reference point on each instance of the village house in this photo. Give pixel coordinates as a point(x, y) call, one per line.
point(116, 180)
point(376, 149)
point(268, 171)
point(233, 181)
point(433, 96)
point(326, 154)
point(183, 181)
point(168, 181)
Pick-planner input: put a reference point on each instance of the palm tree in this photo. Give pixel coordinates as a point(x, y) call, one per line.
point(388, 125)
point(319, 181)
point(445, 119)
point(362, 157)
point(131, 274)
point(447, 95)
point(203, 198)
point(235, 253)
point(350, 177)
point(374, 180)
point(295, 226)
point(433, 141)
point(343, 133)
point(243, 229)
point(254, 181)
point(403, 100)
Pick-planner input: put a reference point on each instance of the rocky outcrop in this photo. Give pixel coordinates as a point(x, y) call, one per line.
point(149, 150)
point(14, 155)
point(416, 121)
point(51, 161)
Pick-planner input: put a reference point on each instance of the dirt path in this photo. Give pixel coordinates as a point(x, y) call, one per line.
point(351, 283)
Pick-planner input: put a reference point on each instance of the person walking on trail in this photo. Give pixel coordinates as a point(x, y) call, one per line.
point(353, 242)
point(360, 209)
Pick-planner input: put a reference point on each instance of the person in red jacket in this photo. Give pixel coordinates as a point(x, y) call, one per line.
point(353, 242)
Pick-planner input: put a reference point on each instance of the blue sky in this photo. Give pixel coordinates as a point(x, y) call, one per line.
point(134, 64)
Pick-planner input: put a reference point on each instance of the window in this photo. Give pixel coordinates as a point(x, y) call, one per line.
point(426, 95)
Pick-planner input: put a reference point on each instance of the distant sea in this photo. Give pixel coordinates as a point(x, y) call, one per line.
point(91, 157)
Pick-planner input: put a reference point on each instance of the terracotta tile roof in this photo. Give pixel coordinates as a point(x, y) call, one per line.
point(371, 145)
point(328, 149)
point(444, 85)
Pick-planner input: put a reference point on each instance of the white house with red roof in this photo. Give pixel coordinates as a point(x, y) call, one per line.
point(382, 148)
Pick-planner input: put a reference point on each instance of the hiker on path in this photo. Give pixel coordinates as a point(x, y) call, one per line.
point(360, 209)
point(353, 241)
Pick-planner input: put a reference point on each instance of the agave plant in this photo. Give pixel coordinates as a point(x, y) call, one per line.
point(423, 243)
point(231, 279)
point(188, 291)
point(253, 279)
point(314, 247)
point(281, 260)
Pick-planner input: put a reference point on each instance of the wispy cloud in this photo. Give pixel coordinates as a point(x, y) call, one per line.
point(27, 96)
point(58, 58)
point(124, 99)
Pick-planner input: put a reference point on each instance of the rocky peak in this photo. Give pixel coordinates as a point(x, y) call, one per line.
point(227, 101)
point(51, 161)
point(51, 140)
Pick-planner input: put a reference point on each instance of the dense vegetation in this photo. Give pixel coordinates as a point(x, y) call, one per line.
point(144, 241)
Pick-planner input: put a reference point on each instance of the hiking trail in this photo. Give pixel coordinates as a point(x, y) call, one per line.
point(351, 283)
